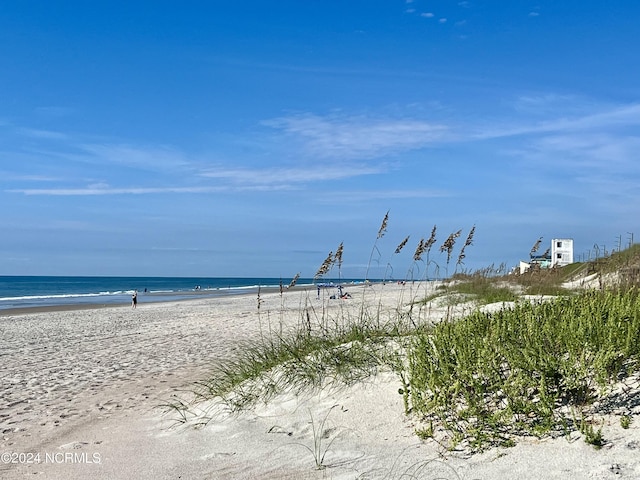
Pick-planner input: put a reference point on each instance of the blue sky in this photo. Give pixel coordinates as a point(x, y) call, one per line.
point(250, 138)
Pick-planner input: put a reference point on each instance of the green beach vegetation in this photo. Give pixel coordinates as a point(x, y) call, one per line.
point(533, 369)
point(544, 362)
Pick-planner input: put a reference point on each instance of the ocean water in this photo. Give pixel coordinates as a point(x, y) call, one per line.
point(42, 291)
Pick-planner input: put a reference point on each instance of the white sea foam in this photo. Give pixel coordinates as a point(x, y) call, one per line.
point(47, 297)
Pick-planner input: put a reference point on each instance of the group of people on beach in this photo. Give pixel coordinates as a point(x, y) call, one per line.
point(341, 293)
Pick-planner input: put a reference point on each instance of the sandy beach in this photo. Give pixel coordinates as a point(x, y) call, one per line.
point(83, 391)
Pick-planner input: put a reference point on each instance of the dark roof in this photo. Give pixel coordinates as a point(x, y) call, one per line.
point(541, 257)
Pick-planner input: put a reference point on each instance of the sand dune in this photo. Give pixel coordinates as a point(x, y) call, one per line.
point(81, 394)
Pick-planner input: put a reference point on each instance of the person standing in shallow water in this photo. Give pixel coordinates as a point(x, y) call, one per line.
point(134, 299)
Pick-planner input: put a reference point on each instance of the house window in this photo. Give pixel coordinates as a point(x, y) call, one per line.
point(559, 256)
point(559, 244)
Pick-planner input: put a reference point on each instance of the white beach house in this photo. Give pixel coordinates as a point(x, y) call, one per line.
point(560, 254)
point(561, 251)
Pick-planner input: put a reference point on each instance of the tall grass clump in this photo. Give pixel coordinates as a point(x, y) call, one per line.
point(309, 356)
point(482, 289)
point(524, 370)
point(424, 246)
point(547, 281)
point(467, 243)
point(337, 346)
point(381, 231)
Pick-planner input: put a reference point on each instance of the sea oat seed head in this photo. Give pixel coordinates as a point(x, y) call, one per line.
point(467, 243)
point(326, 265)
point(417, 255)
point(536, 246)
point(294, 281)
point(402, 244)
point(432, 238)
point(383, 227)
point(469, 240)
point(449, 243)
point(338, 256)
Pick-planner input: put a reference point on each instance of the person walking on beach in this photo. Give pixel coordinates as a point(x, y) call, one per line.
point(134, 299)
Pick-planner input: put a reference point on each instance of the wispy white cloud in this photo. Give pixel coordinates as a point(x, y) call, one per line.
point(427, 15)
point(628, 115)
point(188, 249)
point(356, 196)
point(8, 176)
point(593, 155)
point(340, 146)
point(292, 175)
point(42, 134)
point(550, 103)
point(602, 152)
point(93, 190)
point(145, 157)
point(66, 148)
point(614, 117)
point(352, 137)
point(232, 180)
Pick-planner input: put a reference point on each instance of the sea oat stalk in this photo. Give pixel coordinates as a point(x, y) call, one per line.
point(325, 267)
point(383, 226)
point(381, 231)
point(432, 239)
point(337, 259)
point(468, 242)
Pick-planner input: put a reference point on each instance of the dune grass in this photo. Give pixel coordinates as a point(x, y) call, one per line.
point(480, 290)
point(315, 354)
point(524, 370)
point(533, 369)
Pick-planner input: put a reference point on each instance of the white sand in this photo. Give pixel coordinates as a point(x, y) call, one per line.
point(80, 394)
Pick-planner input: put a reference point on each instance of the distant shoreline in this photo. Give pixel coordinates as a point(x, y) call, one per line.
point(182, 297)
point(72, 307)
point(33, 294)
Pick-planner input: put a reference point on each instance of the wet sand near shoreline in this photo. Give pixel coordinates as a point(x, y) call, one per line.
point(7, 312)
point(147, 298)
